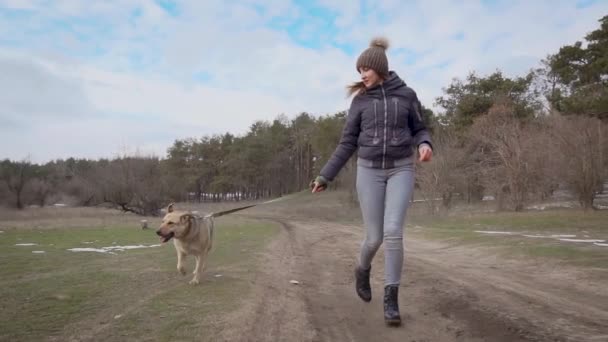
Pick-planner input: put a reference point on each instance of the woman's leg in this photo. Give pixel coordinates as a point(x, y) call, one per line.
point(399, 192)
point(371, 186)
point(400, 187)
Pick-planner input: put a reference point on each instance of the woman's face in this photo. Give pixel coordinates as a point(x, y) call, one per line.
point(369, 77)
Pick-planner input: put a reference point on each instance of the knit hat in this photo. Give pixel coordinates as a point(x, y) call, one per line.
point(374, 57)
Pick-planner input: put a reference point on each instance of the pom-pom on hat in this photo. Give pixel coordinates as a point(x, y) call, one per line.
point(374, 56)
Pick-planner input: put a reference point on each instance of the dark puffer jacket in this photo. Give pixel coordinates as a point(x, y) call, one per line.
point(385, 123)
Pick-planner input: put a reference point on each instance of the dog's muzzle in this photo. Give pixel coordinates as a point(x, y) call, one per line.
point(165, 238)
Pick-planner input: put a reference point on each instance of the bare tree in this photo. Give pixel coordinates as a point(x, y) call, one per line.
point(440, 178)
point(507, 166)
point(580, 155)
point(141, 185)
point(39, 190)
point(15, 176)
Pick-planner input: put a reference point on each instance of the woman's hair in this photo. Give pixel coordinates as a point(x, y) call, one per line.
point(357, 87)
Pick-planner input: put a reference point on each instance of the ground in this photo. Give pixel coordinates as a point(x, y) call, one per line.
point(459, 284)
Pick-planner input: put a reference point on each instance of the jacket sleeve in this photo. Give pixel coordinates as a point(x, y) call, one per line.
point(417, 126)
point(347, 145)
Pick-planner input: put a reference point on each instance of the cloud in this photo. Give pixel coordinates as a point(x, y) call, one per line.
point(19, 4)
point(67, 139)
point(32, 92)
point(143, 113)
point(145, 72)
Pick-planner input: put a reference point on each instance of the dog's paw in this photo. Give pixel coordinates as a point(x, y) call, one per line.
point(194, 281)
point(181, 270)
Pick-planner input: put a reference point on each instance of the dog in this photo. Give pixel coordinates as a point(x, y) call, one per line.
point(192, 235)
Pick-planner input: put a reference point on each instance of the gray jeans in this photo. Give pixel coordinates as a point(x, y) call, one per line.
point(384, 197)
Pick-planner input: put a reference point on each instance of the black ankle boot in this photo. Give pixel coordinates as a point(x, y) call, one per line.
point(363, 287)
point(391, 305)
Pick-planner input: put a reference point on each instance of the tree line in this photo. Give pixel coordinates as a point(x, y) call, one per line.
point(517, 139)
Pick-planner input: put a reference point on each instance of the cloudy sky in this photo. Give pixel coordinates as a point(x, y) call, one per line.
point(92, 79)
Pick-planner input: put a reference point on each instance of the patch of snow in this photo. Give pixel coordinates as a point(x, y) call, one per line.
point(109, 249)
point(560, 237)
point(414, 201)
point(493, 232)
point(38, 252)
point(98, 250)
point(581, 240)
point(537, 207)
point(122, 248)
point(552, 205)
point(25, 244)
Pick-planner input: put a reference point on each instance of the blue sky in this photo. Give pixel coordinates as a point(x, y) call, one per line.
point(134, 75)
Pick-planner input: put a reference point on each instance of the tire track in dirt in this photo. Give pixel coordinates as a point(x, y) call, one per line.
point(275, 310)
point(420, 299)
point(440, 300)
point(552, 306)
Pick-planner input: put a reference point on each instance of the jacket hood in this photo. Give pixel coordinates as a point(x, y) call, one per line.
point(393, 82)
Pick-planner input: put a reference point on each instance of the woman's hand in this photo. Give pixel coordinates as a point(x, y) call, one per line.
point(425, 152)
point(318, 184)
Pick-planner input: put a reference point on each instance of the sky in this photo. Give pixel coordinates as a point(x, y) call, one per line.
point(94, 79)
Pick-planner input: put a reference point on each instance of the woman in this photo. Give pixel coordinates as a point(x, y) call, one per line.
point(385, 123)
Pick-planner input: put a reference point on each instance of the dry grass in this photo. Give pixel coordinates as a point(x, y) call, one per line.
point(134, 294)
point(60, 295)
point(66, 217)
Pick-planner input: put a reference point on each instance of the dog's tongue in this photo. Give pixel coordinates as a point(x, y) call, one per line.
point(166, 238)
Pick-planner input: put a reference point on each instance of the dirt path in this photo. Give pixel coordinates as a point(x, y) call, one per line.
point(447, 295)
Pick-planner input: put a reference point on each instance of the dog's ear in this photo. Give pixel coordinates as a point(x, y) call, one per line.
point(185, 218)
point(170, 207)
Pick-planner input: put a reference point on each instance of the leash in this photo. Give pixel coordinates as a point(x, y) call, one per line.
point(230, 211)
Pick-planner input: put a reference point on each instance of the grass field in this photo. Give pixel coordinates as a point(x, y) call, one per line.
point(460, 227)
point(134, 294)
point(527, 234)
point(137, 294)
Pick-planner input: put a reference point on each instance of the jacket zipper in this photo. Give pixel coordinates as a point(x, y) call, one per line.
point(396, 101)
point(385, 125)
point(375, 141)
